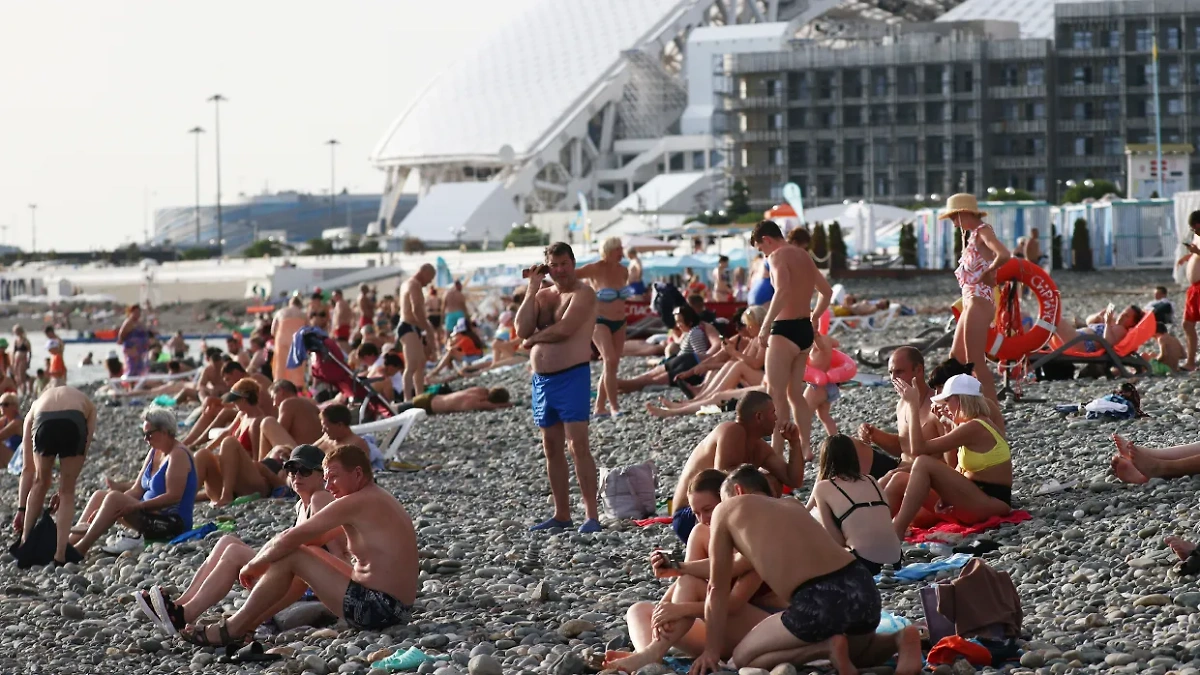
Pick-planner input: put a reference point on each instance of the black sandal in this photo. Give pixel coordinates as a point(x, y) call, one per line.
point(199, 635)
point(1190, 565)
point(251, 653)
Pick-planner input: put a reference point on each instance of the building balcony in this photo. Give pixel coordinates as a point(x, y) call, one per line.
point(1089, 90)
point(1018, 127)
point(1092, 53)
point(757, 170)
point(774, 136)
point(1018, 91)
point(755, 102)
point(1089, 161)
point(1028, 162)
point(1086, 125)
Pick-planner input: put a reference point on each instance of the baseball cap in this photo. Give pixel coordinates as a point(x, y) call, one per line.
point(460, 327)
point(959, 385)
point(306, 457)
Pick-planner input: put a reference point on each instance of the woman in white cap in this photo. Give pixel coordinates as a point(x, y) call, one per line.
point(981, 486)
point(982, 255)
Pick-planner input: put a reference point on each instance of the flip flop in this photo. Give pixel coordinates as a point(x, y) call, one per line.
point(1052, 486)
point(251, 653)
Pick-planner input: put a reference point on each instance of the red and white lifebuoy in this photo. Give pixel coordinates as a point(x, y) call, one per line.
point(1003, 347)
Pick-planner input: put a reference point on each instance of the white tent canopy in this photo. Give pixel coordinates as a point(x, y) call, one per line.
point(634, 242)
point(866, 221)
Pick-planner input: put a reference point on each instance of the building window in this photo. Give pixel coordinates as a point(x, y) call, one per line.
point(1174, 74)
point(854, 185)
point(797, 118)
point(1147, 74)
point(777, 192)
point(906, 81)
point(879, 83)
point(1113, 39)
point(1113, 146)
point(1035, 76)
point(1037, 110)
point(798, 155)
point(880, 114)
point(742, 123)
point(882, 153)
point(907, 183)
point(882, 184)
point(1037, 146)
point(798, 88)
point(772, 87)
point(1081, 39)
point(1112, 108)
point(935, 150)
point(1009, 111)
point(1196, 36)
point(852, 116)
point(906, 113)
point(1143, 39)
point(935, 112)
point(1038, 184)
point(1083, 146)
point(697, 160)
point(1174, 106)
point(1083, 75)
point(1009, 76)
point(745, 158)
point(1111, 73)
point(935, 181)
point(1083, 110)
point(777, 158)
point(775, 121)
point(825, 154)
point(964, 112)
point(1173, 35)
point(856, 153)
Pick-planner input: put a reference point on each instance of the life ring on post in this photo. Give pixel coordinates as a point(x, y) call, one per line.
point(1014, 342)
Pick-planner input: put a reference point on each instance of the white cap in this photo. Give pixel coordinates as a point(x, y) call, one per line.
point(959, 385)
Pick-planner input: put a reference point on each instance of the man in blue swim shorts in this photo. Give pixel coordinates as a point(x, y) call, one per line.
point(556, 323)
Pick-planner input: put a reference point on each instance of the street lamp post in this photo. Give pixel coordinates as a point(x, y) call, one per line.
point(216, 99)
point(33, 226)
point(196, 131)
point(332, 143)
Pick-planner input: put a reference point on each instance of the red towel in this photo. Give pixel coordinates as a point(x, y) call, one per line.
point(948, 649)
point(656, 520)
point(918, 535)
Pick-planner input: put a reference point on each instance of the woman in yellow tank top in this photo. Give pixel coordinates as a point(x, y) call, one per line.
point(981, 486)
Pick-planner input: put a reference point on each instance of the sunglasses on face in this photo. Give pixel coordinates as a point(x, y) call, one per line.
point(147, 434)
point(316, 315)
point(299, 471)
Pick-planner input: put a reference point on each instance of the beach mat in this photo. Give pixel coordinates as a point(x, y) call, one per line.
point(918, 535)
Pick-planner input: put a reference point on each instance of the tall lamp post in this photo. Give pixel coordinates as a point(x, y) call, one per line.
point(33, 226)
point(195, 132)
point(332, 143)
point(216, 99)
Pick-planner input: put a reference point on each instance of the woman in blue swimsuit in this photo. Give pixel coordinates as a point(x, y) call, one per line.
point(610, 279)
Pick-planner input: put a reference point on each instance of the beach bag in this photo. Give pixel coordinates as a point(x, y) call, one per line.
point(38, 549)
point(628, 491)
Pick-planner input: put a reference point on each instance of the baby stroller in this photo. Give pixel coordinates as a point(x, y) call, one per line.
point(330, 367)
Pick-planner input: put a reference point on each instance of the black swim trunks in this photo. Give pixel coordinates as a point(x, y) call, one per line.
point(882, 463)
point(60, 433)
point(368, 609)
point(845, 601)
point(799, 331)
point(404, 328)
point(995, 490)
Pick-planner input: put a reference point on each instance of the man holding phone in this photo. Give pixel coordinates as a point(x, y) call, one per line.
point(556, 323)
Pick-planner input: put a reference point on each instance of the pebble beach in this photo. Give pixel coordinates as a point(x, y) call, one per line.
point(1091, 567)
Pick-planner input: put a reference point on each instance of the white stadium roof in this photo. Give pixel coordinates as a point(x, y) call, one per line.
point(1036, 17)
point(521, 80)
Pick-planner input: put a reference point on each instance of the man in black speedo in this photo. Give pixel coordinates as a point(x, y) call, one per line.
point(787, 330)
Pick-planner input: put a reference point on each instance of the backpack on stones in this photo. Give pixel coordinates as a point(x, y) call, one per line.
point(629, 491)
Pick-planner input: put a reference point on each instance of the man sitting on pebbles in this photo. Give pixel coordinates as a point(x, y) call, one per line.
point(299, 419)
point(216, 577)
point(835, 606)
point(731, 444)
point(655, 628)
point(375, 593)
point(335, 423)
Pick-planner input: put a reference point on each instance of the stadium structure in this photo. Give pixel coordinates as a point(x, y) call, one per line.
point(577, 101)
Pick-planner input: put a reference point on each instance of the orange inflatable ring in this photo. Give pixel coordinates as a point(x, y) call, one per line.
point(1002, 347)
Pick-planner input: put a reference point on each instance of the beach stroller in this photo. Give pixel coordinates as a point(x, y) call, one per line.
point(330, 367)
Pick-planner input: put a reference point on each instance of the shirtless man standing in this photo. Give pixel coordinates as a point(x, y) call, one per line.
point(787, 330)
point(366, 306)
point(58, 430)
point(414, 330)
point(556, 325)
point(1033, 248)
point(1191, 310)
point(732, 444)
point(835, 605)
point(721, 292)
point(299, 419)
point(905, 364)
point(455, 306)
point(377, 592)
point(343, 317)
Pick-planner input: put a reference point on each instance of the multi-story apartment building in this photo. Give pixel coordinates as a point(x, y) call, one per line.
point(931, 109)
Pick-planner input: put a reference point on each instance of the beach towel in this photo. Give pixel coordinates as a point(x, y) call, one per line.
point(918, 534)
point(950, 649)
point(919, 571)
point(657, 520)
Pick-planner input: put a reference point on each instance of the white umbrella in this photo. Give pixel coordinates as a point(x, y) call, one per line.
point(634, 242)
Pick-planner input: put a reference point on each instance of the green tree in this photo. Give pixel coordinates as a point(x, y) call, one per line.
point(318, 246)
point(525, 235)
point(262, 247)
point(739, 199)
point(1017, 195)
point(820, 245)
point(837, 247)
point(1080, 192)
point(413, 245)
point(908, 245)
point(198, 253)
point(1081, 247)
point(369, 246)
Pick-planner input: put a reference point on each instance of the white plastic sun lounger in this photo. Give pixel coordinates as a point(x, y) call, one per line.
point(399, 426)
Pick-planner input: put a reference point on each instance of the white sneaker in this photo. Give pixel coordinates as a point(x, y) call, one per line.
point(123, 544)
point(122, 533)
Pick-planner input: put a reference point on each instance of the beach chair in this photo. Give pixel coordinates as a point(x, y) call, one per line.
point(926, 341)
point(876, 321)
point(1123, 356)
point(399, 426)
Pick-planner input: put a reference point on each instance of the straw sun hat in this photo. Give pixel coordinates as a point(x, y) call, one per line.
point(961, 203)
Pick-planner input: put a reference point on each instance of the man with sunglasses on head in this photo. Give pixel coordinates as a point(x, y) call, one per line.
point(1191, 311)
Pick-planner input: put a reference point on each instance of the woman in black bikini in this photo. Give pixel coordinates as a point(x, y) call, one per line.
point(843, 491)
point(20, 362)
point(611, 280)
point(219, 572)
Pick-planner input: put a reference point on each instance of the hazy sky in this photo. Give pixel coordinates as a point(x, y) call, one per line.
point(96, 99)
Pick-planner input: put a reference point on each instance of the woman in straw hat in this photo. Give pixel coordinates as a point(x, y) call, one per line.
point(982, 255)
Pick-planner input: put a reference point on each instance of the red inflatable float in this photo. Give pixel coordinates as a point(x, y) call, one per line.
point(1007, 338)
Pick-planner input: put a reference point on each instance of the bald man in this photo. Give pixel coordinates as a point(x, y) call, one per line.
point(413, 329)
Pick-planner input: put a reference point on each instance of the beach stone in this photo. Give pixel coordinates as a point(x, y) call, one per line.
point(434, 641)
point(568, 664)
point(753, 671)
point(484, 664)
point(574, 627)
point(1119, 659)
point(1188, 599)
point(1153, 600)
point(1032, 660)
point(784, 669)
point(72, 612)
